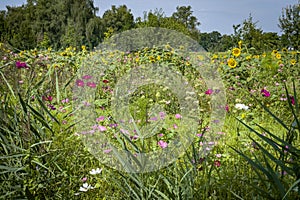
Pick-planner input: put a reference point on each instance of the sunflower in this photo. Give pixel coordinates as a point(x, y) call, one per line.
point(293, 61)
point(236, 52)
point(231, 62)
point(278, 55)
point(284, 50)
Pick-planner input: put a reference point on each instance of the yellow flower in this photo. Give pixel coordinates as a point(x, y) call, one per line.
point(264, 55)
point(243, 115)
point(158, 58)
point(240, 44)
point(231, 62)
point(278, 55)
point(284, 50)
point(236, 52)
point(248, 57)
point(151, 58)
point(293, 61)
point(215, 56)
point(274, 52)
point(137, 59)
point(200, 57)
point(83, 48)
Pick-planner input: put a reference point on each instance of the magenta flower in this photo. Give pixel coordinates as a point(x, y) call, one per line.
point(49, 98)
point(105, 81)
point(265, 92)
point(162, 144)
point(178, 116)
point(227, 108)
point(209, 91)
point(217, 163)
point(91, 84)
point(292, 100)
point(80, 83)
point(20, 65)
point(86, 77)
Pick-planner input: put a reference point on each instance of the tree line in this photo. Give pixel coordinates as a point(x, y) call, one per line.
point(62, 23)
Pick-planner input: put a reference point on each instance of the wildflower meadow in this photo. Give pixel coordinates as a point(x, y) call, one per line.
point(148, 113)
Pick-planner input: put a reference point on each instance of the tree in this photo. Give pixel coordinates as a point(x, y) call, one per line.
point(184, 14)
point(289, 23)
point(158, 19)
point(120, 19)
point(249, 33)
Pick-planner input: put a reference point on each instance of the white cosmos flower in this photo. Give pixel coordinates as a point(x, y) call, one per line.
point(85, 187)
point(241, 106)
point(96, 171)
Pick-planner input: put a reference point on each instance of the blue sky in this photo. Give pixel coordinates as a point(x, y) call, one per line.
point(217, 15)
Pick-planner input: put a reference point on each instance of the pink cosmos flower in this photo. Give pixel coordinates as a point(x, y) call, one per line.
point(91, 84)
point(102, 128)
point(162, 144)
point(80, 83)
point(160, 135)
point(107, 150)
point(100, 119)
point(86, 77)
point(178, 116)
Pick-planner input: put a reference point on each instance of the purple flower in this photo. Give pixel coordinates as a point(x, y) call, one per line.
point(162, 115)
point(265, 92)
point(162, 144)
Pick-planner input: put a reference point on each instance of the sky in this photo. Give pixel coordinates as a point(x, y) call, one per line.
point(214, 15)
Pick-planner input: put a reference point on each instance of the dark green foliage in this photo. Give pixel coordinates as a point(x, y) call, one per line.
point(289, 23)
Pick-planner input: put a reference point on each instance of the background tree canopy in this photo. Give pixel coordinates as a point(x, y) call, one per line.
point(62, 23)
